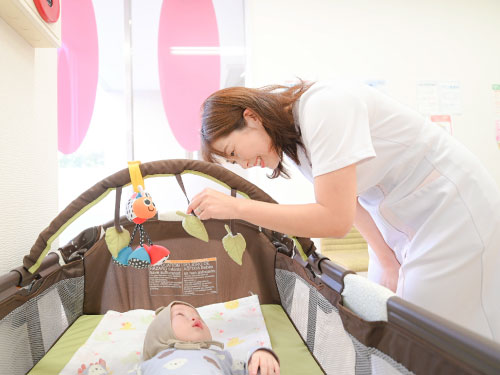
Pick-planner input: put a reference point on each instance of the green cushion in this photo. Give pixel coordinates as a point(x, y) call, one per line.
point(351, 252)
point(75, 336)
point(354, 260)
point(294, 356)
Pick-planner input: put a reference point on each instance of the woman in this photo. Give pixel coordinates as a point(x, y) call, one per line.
point(426, 206)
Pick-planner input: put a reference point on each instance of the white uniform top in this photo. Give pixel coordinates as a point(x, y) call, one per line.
point(432, 200)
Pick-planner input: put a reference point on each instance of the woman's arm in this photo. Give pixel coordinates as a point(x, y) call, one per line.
point(331, 216)
point(387, 259)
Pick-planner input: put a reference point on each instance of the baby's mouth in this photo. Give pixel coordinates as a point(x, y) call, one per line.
point(197, 324)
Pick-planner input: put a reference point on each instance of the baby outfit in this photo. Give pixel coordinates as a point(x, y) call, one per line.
point(192, 362)
point(165, 354)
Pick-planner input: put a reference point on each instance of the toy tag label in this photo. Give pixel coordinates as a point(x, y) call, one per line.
point(193, 277)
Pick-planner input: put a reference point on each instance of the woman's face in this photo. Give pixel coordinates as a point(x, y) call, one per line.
point(250, 146)
point(188, 325)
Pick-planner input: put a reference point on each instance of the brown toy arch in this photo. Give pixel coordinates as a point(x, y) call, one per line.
point(97, 192)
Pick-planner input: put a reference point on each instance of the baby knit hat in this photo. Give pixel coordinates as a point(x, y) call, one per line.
point(160, 334)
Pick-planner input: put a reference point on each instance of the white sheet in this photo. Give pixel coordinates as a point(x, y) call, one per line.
point(115, 346)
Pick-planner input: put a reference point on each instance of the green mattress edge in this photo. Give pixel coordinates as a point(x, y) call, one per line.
point(75, 336)
point(294, 356)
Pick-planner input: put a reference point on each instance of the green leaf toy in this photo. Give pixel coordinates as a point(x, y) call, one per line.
point(235, 245)
point(193, 226)
point(116, 240)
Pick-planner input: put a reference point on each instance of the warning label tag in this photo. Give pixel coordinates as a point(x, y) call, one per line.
point(192, 277)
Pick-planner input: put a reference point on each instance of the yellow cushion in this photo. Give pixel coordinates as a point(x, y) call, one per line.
point(351, 252)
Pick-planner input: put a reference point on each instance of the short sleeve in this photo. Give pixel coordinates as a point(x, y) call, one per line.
point(335, 127)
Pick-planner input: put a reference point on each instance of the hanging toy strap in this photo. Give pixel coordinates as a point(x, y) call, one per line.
point(133, 235)
point(233, 194)
point(118, 197)
point(142, 234)
point(135, 175)
point(181, 184)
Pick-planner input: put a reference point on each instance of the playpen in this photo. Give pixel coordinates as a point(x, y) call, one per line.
point(326, 319)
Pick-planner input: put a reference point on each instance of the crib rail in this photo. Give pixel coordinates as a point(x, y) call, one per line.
point(467, 350)
point(20, 277)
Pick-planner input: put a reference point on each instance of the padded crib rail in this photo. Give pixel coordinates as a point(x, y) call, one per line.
point(467, 352)
point(171, 167)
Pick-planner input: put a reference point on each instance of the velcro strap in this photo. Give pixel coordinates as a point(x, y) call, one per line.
point(135, 175)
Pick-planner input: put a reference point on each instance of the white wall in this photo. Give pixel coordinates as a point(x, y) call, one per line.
point(401, 42)
point(28, 144)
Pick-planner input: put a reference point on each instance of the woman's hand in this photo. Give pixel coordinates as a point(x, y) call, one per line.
point(212, 204)
point(390, 273)
point(265, 361)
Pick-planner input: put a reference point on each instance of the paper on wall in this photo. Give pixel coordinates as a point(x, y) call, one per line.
point(444, 122)
point(437, 98)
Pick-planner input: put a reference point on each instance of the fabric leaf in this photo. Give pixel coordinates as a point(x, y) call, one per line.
point(193, 226)
point(116, 240)
point(235, 245)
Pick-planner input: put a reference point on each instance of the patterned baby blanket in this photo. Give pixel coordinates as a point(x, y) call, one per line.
point(115, 346)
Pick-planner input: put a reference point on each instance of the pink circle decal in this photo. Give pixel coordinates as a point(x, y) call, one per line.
point(187, 75)
point(77, 69)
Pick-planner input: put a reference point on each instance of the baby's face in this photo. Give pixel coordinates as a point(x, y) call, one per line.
point(188, 325)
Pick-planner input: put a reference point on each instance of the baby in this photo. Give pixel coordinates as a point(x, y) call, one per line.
point(179, 342)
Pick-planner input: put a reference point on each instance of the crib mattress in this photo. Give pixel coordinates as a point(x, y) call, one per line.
point(294, 356)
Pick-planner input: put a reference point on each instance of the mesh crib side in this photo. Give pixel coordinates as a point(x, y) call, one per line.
point(320, 325)
point(32, 320)
point(310, 311)
point(409, 340)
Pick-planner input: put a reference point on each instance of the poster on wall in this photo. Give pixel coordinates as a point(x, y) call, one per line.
point(449, 98)
point(443, 121)
point(435, 97)
point(439, 100)
point(427, 97)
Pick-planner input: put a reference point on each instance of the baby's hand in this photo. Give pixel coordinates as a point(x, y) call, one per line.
point(265, 361)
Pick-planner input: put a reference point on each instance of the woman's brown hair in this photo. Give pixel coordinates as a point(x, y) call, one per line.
point(222, 112)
